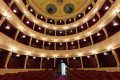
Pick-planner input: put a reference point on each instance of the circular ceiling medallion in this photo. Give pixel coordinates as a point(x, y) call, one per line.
point(51, 8)
point(69, 8)
point(57, 11)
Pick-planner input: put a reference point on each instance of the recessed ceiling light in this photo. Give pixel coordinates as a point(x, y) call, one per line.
point(50, 20)
point(94, 20)
point(34, 57)
point(115, 24)
point(37, 41)
point(106, 8)
point(84, 39)
point(74, 58)
point(88, 56)
point(41, 17)
point(60, 21)
point(60, 43)
point(23, 36)
point(31, 10)
point(98, 34)
point(48, 58)
point(72, 42)
point(28, 22)
point(7, 27)
point(89, 8)
point(105, 53)
point(70, 20)
point(15, 11)
point(60, 31)
point(49, 43)
point(79, 15)
point(39, 28)
point(17, 55)
point(82, 27)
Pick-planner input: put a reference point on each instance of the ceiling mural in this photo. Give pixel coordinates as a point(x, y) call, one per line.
point(59, 8)
point(51, 9)
point(69, 8)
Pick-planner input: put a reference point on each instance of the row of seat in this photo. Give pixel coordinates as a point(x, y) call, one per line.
point(30, 75)
point(92, 75)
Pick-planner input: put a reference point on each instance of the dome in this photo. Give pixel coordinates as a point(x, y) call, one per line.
point(41, 34)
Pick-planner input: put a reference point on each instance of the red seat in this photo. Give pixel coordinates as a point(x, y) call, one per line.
point(46, 79)
point(18, 79)
point(86, 78)
point(9, 79)
point(27, 79)
point(96, 78)
point(5, 76)
point(36, 78)
point(77, 78)
point(105, 78)
point(1, 78)
point(115, 78)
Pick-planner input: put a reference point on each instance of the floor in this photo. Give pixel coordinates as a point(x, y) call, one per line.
point(62, 78)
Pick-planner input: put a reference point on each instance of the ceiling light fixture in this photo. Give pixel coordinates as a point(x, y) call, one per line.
point(72, 42)
point(79, 15)
point(17, 55)
point(39, 28)
point(89, 7)
point(82, 27)
point(48, 58)
point(115, 24)
point(27, 22)
point(41, 17)
point(7, 27)
point(15, 11)
point(23, 36)
point(94, 20)
point(34, 57)
point(37, 41)
point(84, 39)
point(106, 8)
point(49, 43)
point(105, 53)
point(98, 34)
point(74, 58)
point(31, 10)
point(60, 43)
point(88, 56)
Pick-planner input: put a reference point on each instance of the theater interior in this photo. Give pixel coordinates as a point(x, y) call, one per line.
point(59, 39)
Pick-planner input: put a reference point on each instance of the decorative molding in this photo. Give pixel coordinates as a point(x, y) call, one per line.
point(97, 61)
point(26, 59)
point(4, 71)
point(41, 62)
point(81, 62)
point(116, 58)
point(53, 17)
point(8, 58)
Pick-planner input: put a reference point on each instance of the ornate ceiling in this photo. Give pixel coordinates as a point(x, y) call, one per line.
point(60, 7)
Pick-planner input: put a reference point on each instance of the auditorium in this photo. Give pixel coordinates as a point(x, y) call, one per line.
point(59, 40)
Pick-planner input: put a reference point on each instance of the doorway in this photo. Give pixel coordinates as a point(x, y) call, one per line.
point(63, 68)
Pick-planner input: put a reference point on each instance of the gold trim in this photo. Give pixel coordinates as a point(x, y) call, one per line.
point(8, 58)
point(26, 59)
point(41, 62)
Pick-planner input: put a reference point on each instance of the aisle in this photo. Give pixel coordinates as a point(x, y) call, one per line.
point(62, 78)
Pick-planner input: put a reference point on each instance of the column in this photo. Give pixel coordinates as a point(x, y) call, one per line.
point(8, 58)
point(26, 59)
